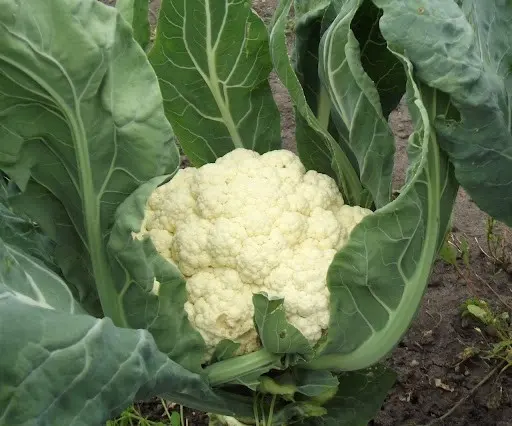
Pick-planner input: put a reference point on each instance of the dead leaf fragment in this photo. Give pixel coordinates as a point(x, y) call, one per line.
point(439, 384)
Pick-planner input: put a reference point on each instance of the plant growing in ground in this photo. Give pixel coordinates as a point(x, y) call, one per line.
point(498, 249)
point(497, 326)
point(88, 135)
point(498, 348)
point(133, 417)
point(454, 248)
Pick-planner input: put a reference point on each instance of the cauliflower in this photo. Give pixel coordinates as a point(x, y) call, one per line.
point(251, 223)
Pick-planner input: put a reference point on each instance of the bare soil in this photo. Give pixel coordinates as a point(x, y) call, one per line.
point(432, 377)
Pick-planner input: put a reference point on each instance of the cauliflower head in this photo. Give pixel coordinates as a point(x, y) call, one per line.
point(251, 223)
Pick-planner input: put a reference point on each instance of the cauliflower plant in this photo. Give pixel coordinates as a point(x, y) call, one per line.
point(251, 223)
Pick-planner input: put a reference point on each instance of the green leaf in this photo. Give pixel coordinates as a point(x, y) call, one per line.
point(76, 138)
point(299, 413)
point(284, 389)
point(277, 335)
point(25, 279)
point(175, 419)
point(349, 122)
point(378, 279)
point(467, 54)
point(316, 383)
point(317, 146)
point(136, 13)
point(245, 369)
point(379, 63)
point(305, 7)
point(72, 259)
point(479, 313)
point(62, 366)
point(213, 64)
point(360, 395)
point(153, 291)
point(309, 27)
point(226, 349)
point(22, 233)
point(448, 253)
point(350, 64)
point(465, 252)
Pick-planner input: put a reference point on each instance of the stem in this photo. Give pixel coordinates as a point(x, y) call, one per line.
point(255, 409)
point(92, 218)
point(214, 82)
point(271, 411)
point(349, 180)
point(262, 406)
point(166, 410)
point(324, 108)
point(231, 369)
point(182, 417)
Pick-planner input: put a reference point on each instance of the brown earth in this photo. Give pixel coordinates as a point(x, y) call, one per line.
point(432, 377)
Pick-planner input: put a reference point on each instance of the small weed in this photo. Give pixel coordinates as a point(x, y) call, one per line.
point(496, 325)
point(456, 248)
point(133, 417)
point(453, 249)
point(498, 250)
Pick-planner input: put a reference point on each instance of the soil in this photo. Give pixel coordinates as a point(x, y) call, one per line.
point(431, 376)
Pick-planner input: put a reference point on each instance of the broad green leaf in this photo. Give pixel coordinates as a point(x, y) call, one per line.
point(379, 63)
point(22, 233)
point(317, 146)
point(276, 333)
point(72, 259)
point(309, 22)
point(136, 13)
point(62, 366)
point(212, 60)
point(312, 19)
point(350, 63)
point(27, 280)
point(305, 7)
point(153, 292)
point(360, 395)
point(75, 135)
point(465, 52)
point(378, 279)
